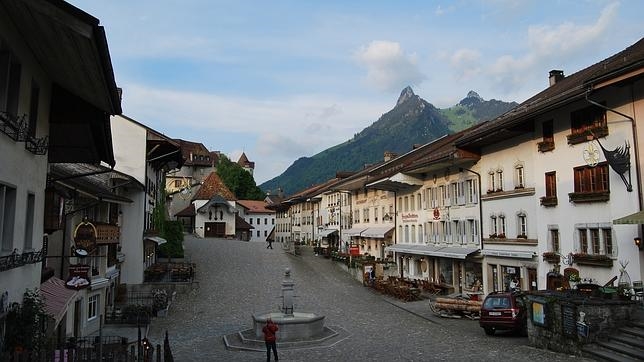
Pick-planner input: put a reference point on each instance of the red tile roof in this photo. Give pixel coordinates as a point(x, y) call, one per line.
point(213, 185)
point(255, 206)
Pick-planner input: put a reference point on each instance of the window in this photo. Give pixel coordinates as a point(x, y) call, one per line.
point(356, 216)
point(583, 241)
point(472, 192)
point(454, 193)
point(548, 142)
point(445, 195)
point(420, 233)
point(413, 233)
point(519, 177)
point(265, 221)
point(493, 226)
point(522, 221)
point(10, 72)
point(406, 204)
point(412, 202)
point(502, 226)
point(548, 131)
point(421, 204)
point(365, 214)
point(272, 221)
point(594, 240)
point(587, 119)
point(407, 233)
point(375, 214)
point(92, 307)
point(551, 184)
point(499, 180)
point(29, 222)
point(250, 220)
point(554, 239)
point(258, 221)
point(491, 180)
point(257, 233)
point(265, 232)
point(608, 241)
point(591, 179)
point(7, 216)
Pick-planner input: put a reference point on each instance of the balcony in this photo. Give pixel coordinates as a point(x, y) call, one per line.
point(16, 260)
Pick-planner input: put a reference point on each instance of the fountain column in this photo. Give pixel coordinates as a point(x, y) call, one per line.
point(287, 293)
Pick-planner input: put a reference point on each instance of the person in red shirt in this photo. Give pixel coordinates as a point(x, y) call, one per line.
point(269, 337)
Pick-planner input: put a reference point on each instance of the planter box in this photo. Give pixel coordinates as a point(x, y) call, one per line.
point(593, 260)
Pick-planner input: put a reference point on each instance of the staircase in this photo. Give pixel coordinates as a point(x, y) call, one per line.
point(627, 344)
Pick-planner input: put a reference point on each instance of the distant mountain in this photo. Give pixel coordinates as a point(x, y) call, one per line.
point(412, 121)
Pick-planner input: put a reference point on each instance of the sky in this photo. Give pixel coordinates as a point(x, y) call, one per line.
point(280, 80)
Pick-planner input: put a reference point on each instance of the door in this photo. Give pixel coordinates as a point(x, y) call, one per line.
point(77, 317)
point(532, 279)
point(215, 229)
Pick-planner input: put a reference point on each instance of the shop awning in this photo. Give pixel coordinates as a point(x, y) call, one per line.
point(156, 239)
point(326, 232)
point(376, 232)
point(353, 231)
point(636, 218)
point(453, 252)
point(57, 298)
point(412, 249)
point(508, 253)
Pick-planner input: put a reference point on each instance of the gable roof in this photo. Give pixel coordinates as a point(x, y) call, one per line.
point(211, 186)
point(188, 211)
point(255, 206)
point(241, 224)
point(244, 162)
point(565, 91)
point(195, 153)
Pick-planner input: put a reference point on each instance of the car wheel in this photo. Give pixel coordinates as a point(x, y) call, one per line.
point(489, 331)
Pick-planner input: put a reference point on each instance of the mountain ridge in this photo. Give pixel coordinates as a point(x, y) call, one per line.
point(411, 121)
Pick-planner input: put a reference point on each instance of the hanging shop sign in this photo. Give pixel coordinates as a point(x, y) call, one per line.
point(78, 276)
point(85, 237)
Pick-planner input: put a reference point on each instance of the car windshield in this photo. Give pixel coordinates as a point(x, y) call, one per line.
point(497, 303)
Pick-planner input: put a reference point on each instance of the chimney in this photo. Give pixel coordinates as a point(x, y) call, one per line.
point(555, 76)
point(389, 156)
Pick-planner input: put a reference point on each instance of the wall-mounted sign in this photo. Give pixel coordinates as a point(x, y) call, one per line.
point(539, 313)
point(409, 217)
point(78, 277)
point(437, 213)
point(85, 236)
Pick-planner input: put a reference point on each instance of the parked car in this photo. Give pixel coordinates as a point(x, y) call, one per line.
point(504, 311)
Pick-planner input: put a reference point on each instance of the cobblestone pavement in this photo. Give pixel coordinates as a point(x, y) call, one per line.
point(237, 279)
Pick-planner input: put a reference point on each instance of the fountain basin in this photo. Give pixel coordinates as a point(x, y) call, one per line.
point(292, 327)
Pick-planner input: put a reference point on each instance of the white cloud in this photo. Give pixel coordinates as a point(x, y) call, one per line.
point(550, 45)
point(388, 67)
point(271, 131)
point(466, 63)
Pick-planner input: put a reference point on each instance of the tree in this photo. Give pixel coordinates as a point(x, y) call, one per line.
point(239, 181)
point(26, 324)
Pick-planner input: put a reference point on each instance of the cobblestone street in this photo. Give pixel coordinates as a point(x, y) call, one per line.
point(237, 279)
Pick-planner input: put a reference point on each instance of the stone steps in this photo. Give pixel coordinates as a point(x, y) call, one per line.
point(627, 344)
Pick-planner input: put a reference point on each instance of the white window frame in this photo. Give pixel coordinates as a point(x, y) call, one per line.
point(93, 303)
point(519, 176)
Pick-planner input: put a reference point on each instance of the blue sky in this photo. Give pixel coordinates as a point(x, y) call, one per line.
point(280, 80)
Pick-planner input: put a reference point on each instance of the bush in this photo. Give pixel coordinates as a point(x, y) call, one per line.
point(173, 233)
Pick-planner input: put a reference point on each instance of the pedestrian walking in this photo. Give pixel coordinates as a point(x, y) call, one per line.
point(269, 337)
point(270, 244)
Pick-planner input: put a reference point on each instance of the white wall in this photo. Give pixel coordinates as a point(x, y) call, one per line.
point(129, 143)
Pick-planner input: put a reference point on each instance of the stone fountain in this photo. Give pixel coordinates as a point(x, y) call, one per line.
point(292, 325)
point(296, 329)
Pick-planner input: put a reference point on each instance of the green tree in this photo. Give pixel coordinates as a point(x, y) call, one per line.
point(239, 181)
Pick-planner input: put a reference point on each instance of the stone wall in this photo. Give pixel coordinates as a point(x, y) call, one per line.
point(558, 327)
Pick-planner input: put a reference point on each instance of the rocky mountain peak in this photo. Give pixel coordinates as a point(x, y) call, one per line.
point(473, 94)
point(405, 95)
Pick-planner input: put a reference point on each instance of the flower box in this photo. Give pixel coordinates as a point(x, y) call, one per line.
point(546, 146)
point(548, 201)
point(592, 259)
point(551, 257)
point(581, 197)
